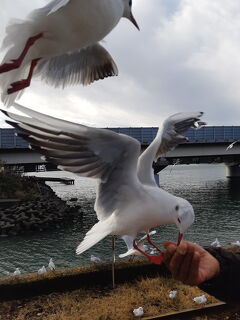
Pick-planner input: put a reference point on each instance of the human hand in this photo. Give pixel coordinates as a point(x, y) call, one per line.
point(189, 262)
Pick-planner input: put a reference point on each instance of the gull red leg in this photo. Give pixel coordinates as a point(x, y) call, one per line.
point(16, 63)
point(154, 259)
point(19, 85)
point(180, 236)
point(152, 244)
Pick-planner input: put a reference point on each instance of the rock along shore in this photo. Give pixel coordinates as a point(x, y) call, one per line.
point(42, 212)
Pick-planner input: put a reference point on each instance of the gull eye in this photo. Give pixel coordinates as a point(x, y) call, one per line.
point(130, 3)
point(177, 207)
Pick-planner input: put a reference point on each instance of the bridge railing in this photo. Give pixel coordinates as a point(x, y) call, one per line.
point(208, 134)
point(9, 140)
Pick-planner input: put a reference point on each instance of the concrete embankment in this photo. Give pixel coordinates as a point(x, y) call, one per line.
point(89, 277)
point(39, 213)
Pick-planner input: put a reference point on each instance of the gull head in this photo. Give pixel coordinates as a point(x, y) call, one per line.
point(184, 216)
point(127, 13)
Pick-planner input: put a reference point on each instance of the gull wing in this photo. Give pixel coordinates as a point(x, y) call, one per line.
point(87, 152)
point(50, 8)
point(128, 241)
point(84, 67)
point(168, 137)
point(55, 5)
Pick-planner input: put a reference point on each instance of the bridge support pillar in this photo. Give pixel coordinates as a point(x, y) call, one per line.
point(233, 171)
point(158, 166)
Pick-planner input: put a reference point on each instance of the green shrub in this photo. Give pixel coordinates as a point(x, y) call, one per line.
point(13, 185)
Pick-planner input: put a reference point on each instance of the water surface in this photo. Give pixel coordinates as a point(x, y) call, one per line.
point(216, 201)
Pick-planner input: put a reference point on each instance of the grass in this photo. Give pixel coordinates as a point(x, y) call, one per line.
point(105, 304)
point(95, 300)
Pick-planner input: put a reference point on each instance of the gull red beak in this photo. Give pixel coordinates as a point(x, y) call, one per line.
point(132, 19)
point(180, 236)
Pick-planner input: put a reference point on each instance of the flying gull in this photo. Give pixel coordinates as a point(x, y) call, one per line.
point(230, 146)
point(60, 44)
point(128, 200)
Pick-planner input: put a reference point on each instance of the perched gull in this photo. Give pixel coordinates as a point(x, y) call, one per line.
point(216, 243)
point(51, 264)
point(42, 270)
point(236, 243)
point(138, 312)
point(60, 44)
point(17, 272)
point(128, 200)
point(140, 243)
point(95, 259)
point(200, 300)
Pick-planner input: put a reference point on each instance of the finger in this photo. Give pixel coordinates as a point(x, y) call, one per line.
point(193, 278)
point(168, 243)
point(169, 253)
point(177, 259)
point(186, 268)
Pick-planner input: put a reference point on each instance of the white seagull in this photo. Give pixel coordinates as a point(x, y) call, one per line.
point(216, 243)
point(51, 265)
point(42, 270)
point(60, 44)
point(236, 243)
point(232, 145)
point(17, 272)
point(95, 259)
point(128, 200)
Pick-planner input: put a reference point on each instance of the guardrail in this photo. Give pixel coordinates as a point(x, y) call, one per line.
point(208, 134)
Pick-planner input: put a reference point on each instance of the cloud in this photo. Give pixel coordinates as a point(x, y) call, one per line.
point(185, 58)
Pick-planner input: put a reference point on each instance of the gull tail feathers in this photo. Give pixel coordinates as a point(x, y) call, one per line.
point(17, 32)
point(99, 231)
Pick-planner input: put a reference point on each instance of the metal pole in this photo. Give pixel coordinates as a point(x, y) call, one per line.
point(113, 261)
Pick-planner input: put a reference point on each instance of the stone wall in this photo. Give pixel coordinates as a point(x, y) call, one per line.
point(43, 212)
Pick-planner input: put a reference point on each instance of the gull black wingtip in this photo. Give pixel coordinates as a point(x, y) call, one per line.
point(4, 112)
point(22, 135)
point(13, 124)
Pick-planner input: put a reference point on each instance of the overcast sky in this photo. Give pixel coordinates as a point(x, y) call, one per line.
point(185, 58)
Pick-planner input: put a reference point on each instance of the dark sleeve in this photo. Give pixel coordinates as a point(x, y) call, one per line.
point(225, 286)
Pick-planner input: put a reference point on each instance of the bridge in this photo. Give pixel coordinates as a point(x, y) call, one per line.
point(209, 144)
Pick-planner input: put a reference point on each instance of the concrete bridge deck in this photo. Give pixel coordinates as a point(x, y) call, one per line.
point(206, 145)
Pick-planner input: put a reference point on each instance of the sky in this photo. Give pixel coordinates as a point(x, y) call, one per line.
point(186, 57)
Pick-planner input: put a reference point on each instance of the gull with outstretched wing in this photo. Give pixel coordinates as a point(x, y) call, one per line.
point(128, 200)
point(59, 43)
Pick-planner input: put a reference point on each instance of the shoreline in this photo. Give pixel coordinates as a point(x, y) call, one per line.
point(18, 216)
